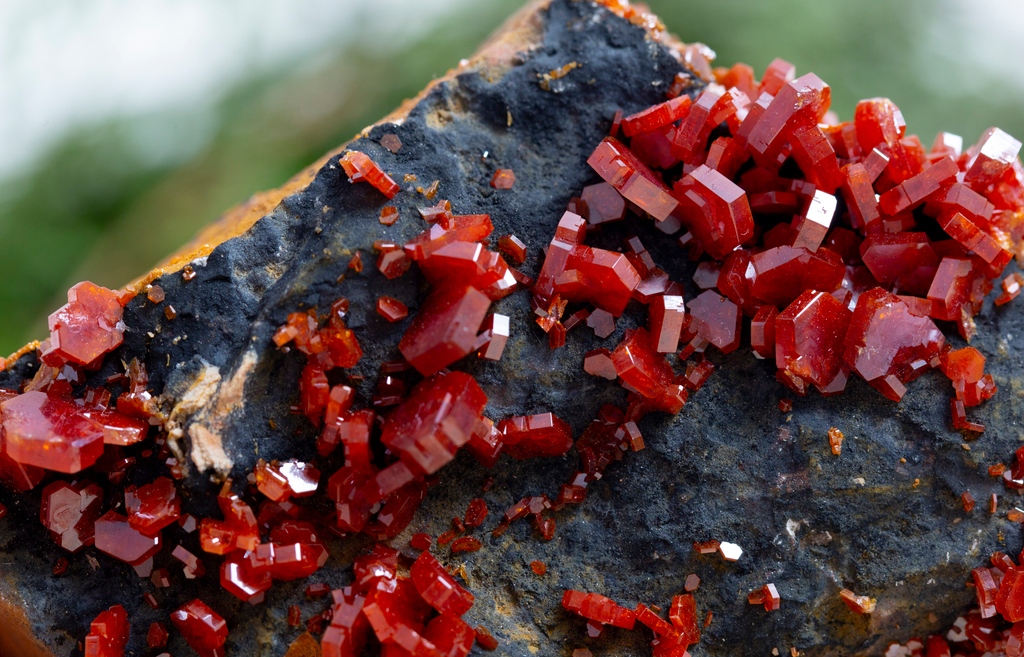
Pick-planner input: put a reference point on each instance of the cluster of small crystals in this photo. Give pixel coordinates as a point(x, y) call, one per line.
point(418, 615)
point(841, 243)
point(994, 627)
point(671, 637)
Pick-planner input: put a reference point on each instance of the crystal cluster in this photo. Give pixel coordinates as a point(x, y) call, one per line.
point(671, 637)
point(416, 615)
point(840, 244)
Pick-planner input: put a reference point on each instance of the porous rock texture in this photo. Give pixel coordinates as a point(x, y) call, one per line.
point(883, 519)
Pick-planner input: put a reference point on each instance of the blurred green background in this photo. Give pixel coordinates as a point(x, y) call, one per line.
point(126, 126)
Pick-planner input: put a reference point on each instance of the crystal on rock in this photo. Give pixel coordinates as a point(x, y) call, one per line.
point(667, 315)
point(619, 167)
point(152, 507)
point(462, 228)
point(598, 608)
point(888, 345)
point(512, 248)
point(716, 319)
point(647, 371)
point(203, 628)
point(683, 615)
point(730, 551)
point(950, 290)
point(70, 511)
point(762, 331)
point(89, 326)
point(439, 416)
point(503, 179)
point(809, 336)
point(451, 635)
point(114, 536)
point(710, 109)
point(360, 168)
point(238, 578)
point(50, 432)
point(108, 634)
point(494, 335)
point(715, 210)
point(391, 309)
point(445, 328)
point(438, 588)
point(535, 436)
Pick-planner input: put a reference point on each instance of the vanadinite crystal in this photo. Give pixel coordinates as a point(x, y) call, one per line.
point(51, 432)
point(120, 540)
point(86, 328)
point(535, 436)
point(808, 340)
point(70, 511)
point(108, 634)
point(203, 628)
point(153, 506)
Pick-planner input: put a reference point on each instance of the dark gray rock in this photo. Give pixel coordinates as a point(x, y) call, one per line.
point(883, 519)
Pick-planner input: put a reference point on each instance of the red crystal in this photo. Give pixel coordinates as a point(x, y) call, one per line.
point(466, 544)
point(715, 210)
point(799, 103)
point(808, 339)
point(667, 314)
point(393, 262)
point(108, 634)
point(647, 372)
point(604, 204)
point(990, 159)
point(445, 328)
point(494, 335)
point(157, 635)
point(814, 221)
point(598, 608)
point(716, 320)
point(535, 436)
point(512, 248)
point(888, 345)
point(816, 158)
point(280, 481)
point(203, 628)
point(438, 588)
point(152, 507)
point(360, 168)
point(451, 636)
point(619, 167)
point(391, 309)
point(503, 179)
point(476, 512)
point(782, 273)
point(114, 536)
point(50, 432)
point(70, 511)
point(439, 416)
point(657, 116)
point(86, 328)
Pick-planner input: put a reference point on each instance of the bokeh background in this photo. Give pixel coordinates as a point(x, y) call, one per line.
point(125, 126)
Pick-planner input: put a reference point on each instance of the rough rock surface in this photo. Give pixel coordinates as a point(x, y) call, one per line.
point(883, 519)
